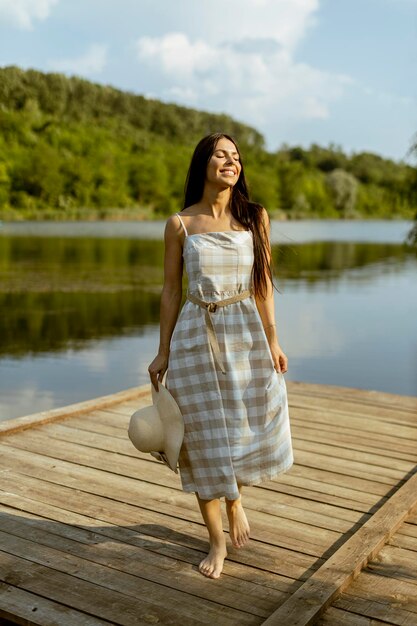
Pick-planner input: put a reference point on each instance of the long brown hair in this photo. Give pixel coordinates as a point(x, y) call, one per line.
point(246, 212)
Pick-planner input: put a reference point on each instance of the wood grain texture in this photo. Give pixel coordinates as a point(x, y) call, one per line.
point(340, 570)
point(92, 531)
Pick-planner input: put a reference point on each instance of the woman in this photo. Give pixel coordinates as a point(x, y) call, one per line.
point(225, 365)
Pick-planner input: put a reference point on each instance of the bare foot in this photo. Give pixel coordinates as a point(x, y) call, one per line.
point(212, 565)
point(238, 523)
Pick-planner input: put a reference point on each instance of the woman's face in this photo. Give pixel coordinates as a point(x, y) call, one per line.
point(224, 165)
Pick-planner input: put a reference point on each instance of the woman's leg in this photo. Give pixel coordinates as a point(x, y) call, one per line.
point(238, 523)
point(212, 565)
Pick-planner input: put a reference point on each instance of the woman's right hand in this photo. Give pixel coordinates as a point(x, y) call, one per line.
point(157, 369)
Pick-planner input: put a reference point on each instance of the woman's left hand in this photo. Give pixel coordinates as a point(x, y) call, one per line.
point(279, 357)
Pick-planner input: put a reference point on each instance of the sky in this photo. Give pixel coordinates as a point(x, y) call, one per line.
point(339, 72)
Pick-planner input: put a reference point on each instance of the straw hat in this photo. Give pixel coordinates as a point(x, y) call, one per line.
point(159, 428)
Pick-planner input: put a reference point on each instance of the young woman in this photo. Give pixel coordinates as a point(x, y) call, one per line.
point(221, 353)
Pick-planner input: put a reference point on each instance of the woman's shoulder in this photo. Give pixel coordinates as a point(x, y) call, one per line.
point(172, 223)
point(187, 212)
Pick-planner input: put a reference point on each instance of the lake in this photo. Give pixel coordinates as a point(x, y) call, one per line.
point(79, 307)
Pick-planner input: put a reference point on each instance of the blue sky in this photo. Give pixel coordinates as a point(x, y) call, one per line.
point(300, 71)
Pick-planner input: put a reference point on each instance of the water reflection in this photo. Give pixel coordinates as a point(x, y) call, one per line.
point(41, 322)
point(79, 264)
point(56, 293)
point(82, 313)
point(325, 262)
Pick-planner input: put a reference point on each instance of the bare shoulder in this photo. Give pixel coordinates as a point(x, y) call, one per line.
point(172, 226)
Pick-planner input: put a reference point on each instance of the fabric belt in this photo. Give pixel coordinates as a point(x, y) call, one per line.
point(211, 307)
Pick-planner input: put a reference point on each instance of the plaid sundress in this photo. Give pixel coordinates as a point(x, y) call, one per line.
point(237, 427)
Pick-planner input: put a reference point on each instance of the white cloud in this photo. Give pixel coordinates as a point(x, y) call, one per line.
point(285, 21)
point(92, 62)
point(241, 60)
point(22, 13)
point(253, 79)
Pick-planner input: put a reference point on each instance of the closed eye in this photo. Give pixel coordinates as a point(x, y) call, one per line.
point(223, 154)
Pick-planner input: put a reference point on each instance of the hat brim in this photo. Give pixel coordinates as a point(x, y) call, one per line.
point(173, 423)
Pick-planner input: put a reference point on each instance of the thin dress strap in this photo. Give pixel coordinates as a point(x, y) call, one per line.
point(185, 230)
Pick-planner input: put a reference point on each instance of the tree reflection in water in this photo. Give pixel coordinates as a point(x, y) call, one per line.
point(57, 292)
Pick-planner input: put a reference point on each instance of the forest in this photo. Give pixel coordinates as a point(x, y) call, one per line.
point(73, 149)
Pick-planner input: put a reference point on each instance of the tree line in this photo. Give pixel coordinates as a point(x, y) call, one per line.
point(68, 146)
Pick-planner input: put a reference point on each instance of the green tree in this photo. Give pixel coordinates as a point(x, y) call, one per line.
point(4, 185)
point(343, 187)
point(69, 144)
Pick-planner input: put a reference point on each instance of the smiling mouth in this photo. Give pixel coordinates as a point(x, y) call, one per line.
point(229, 172)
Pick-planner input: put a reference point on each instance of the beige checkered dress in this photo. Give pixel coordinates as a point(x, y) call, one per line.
point(237, 425)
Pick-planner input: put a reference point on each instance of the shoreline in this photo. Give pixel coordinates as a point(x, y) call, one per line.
point(13, 217)
point(368, 230)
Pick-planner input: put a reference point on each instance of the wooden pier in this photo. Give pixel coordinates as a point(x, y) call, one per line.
point(94, 532)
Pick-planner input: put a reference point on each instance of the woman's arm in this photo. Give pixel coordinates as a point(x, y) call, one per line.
point(170, 298)
point(266, 310)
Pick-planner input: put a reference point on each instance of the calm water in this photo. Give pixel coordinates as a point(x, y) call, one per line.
point(79, 307)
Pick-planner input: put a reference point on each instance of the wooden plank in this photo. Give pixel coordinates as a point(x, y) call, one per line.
point(106, 424)
point(36, 419)
point(316, 594)
point(340, 617)
point(365, 424)
point(338, 506)
point(306, 432)
point(310, 472)
point(158, 552)
point(104, 442)
point(335, 430)
point(120, 559)
point(360, 469)
point(412, 519)
point(323, 494)
point(396, 563)
point(112, 601)
point(408, 529)
point(367, 458)
point(27, 609)
point(368, 396)
point(261, 500)
point(336, 406)
point(292, 534)
point(320, 403)
point(368, 486)
point(94, 424)
point(175, 537)
point(95, 441)
point(390, 612)
point(403, 541)
point(354, 483)
point(351, 443)
point(337, 497)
